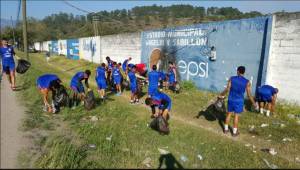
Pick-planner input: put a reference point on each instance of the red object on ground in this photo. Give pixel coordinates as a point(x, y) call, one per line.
point(141, 68)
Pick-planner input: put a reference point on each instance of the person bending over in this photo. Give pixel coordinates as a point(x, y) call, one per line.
point(77, 87)
point(267, 97)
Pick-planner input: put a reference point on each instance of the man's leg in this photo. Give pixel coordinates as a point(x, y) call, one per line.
point(227, 120)
point(269, 108)
point(261, 105)
point(165, 114)
point(13, 79)
point(235, 124)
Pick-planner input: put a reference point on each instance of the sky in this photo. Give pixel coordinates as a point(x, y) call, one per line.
point(41, 8)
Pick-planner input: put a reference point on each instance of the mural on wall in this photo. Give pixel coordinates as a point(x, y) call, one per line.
point(62, 47)
point(73, 49)
point(54, 47)
point(89, 49)
point(208, 54)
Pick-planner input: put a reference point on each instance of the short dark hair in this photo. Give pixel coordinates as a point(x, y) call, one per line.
point(241, 69)
point(4, 39)
point(170, 62)
point(103, 64)
point(276, 90)
point(55, 84)
point(88, 72)
point(134, 66)
point(154, 67)
point(107, 58)
point(114, 63)
point(148, 101)
point(119, 64)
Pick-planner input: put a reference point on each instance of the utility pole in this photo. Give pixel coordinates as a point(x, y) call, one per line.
point(25, 45)
point(13, 29)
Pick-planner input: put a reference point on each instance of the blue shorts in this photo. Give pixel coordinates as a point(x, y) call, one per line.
point(171, 81)
point(78, 88)
point(235, 106)
point(152, 90)
point(117, 80)
point(133, 89)
point(262, 97)
point(163, 107)
point(8, 67)
point(101, 84)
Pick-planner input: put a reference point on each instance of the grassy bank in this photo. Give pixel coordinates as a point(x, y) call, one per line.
point(123, 140)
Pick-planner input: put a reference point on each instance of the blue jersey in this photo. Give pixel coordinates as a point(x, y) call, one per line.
point(153, 78)
point(132, 79)
point(265, 93)
point(162, 75)
point(110, 65)
point(171, 75)
point(100, 76)
point(124, 65)
point(77, 78)
point(116, 72)
point(162, 100)
point(130, 65)
point(7, 55)
point(237, 89)
point(45, 80)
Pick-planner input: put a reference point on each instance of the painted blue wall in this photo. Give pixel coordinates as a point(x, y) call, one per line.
point(73, 49)
point(54, 45)
point(237, 42)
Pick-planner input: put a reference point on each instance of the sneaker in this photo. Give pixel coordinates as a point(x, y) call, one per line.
point(225, 131)
point(236, 134)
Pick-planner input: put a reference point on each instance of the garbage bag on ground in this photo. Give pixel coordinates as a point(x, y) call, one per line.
point(23, 66)
point(89, 100)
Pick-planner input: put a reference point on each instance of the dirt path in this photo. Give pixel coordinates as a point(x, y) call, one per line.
point(12, 140)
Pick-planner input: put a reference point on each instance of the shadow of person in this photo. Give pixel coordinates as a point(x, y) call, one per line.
point(212, 114)
point(169, 161)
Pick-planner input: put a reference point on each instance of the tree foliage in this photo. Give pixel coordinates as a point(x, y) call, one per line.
point(64, 25)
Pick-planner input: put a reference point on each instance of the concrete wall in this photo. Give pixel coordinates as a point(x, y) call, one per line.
point(237, 42)
point(89, 49)
point(37, 46)
point(121, 46)
point(284, 58)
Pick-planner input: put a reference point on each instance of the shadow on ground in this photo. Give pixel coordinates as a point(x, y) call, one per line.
point(169, 161)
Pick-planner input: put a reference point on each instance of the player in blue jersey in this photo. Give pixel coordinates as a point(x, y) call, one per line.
point(101, 80)
point(117, 78)
point(237, 85)
point(172, 76)
point(47, 83)
point(153, 79)
point(109, 77)
point(160, 104)
point(133, 85)
point(267, 97)
point(77, 86)
point(8, 64)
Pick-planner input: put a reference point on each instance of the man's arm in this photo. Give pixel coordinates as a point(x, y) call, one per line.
point(45, 97)
point(226, 90)
point(175, 74)
point(274, 97)
point(249, 94)
point(86, 82)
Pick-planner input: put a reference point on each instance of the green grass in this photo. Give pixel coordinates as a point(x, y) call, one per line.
point(71, 131)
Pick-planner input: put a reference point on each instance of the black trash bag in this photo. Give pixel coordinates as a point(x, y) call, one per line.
point(23, 66)
point(125, 84)
point(159, 124)
point(89, 100)
point(61, 97)
point(220, 105)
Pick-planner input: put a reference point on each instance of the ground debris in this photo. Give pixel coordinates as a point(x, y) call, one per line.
point(183, 158)
point(200, 157)
point(147, 162)
point(162, 151)
point(272, 166)
point(109, 138)
point(287, 140)
point(269, 150)
point(264, 125)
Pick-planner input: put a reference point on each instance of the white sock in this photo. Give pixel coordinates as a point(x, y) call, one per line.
point(131, 101)
point(261, 111)
point(234, 130)
point(268, 113)
point(265, 110)
point(226, 127)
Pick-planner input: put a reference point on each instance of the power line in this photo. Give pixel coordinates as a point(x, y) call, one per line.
point(79, 9)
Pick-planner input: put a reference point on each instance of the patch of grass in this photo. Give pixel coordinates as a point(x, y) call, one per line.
point(132, 141)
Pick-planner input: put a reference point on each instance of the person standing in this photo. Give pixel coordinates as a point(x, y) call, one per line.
point(133, 86)
point(153, 78)
point(172, 76)
point(101, 80)
point(237, 85)
point(8, 64)
point(117, 78)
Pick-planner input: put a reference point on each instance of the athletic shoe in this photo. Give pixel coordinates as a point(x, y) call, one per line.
point(236, 134)
point(225, 131)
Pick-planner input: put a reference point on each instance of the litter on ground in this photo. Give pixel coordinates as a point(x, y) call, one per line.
point(109, 138)
point(287, 140)
point(200, 157)
point(183, 158)
point(147, 162)
point(162, 151)
point(272, 166)
point(264, 125)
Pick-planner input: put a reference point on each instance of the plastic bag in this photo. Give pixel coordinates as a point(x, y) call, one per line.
point(220, 105)
point(89, 101)
point(23, 66)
